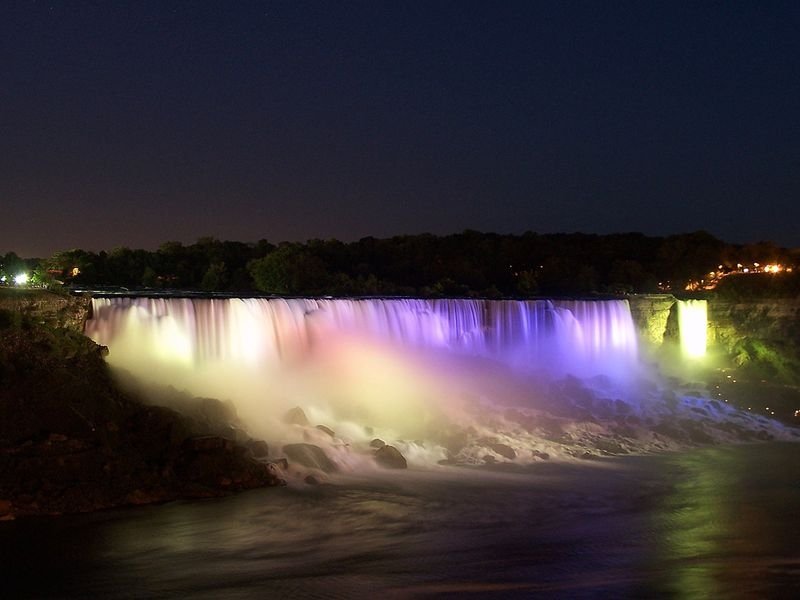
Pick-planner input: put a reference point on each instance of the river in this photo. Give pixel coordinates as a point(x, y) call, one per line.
point(721, 522)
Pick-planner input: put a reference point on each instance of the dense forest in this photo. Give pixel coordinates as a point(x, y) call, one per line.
point(470, 263)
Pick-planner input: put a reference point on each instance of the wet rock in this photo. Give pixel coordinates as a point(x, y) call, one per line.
point(695, 432)
point(489, 459)
point(540, 455)
point(208, 443)
point(668, 430)
point(587, 456)
point(574, 389)
point(311, 480)
point(621, 407)
point(376, 443)
point(281, 463)
point(670, 399)
point(551, 428)
point(526, 422)
point(625, 431)
point(296, 416)
point(389, 457)
point(610, 447)
point(217, 411)
point(604, 409)
point(310, 455)
point(327, 430)
point(455, 440)
point(503, 450)
point(259, 448)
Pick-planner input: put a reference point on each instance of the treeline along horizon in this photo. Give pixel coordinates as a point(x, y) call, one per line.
point(470, 263)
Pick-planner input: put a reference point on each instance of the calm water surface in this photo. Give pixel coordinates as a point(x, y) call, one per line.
point(715, 523)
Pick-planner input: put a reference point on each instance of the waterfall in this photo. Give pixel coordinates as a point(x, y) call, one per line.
point(402, 366)
point(443, 380)
point(582, 337)
point(692, 327)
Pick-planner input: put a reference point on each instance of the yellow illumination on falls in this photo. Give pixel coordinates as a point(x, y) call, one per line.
point(692, 325)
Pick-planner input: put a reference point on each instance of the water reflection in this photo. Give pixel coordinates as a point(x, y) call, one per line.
point(719, 523)
point(731, 524)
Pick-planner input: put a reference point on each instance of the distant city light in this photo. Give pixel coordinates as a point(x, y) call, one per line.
point(21, 279)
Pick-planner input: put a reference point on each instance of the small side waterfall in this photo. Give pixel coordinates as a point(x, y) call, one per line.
point(692, 327)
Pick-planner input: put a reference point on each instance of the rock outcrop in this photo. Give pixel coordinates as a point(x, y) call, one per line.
point(389, 457)
point(72, 441)
point(311, 456)
point(47, 308)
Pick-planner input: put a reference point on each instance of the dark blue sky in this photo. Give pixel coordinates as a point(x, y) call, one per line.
point(140, 122)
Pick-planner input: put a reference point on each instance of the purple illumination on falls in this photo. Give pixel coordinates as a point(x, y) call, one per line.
point(404, 367)
point(572, 336)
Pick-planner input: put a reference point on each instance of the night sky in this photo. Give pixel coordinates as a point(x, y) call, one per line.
point(135, 123)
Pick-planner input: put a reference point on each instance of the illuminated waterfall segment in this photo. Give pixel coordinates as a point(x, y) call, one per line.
point(692, 327)
point(580, 337)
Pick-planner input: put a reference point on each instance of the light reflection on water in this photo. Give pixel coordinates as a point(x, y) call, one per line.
point(719, 523)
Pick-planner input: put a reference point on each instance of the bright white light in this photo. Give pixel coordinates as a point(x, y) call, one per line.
point(21, 279)
point(692, 324)
point(3, 278)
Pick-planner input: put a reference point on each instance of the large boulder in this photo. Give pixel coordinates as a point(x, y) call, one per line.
point(311, 456)
point(259, 448)
point(296, 416)
point(503, 450)
point(389, 457)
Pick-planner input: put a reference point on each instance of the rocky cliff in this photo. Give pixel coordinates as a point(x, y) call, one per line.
point(650, 314)
point(759, 334)
point(47, 308)
point(72, 441)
